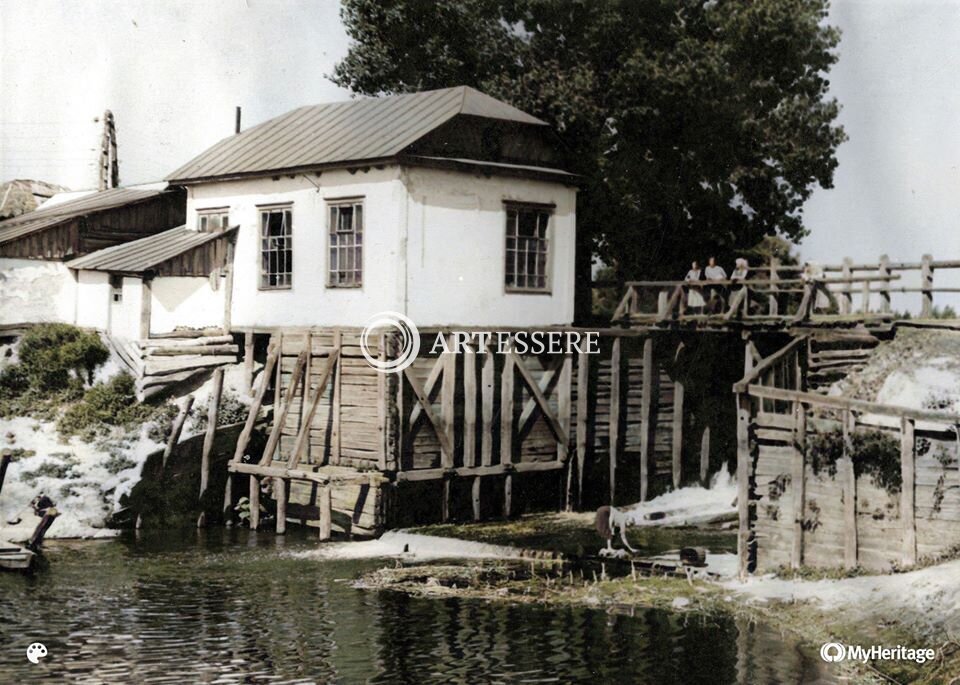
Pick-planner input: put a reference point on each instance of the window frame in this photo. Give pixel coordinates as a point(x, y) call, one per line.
point(207, 212)
point(548, 234)
point(287, 208)
point(331, 231)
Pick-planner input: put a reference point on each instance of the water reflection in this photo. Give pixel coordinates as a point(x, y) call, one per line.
point(231, 607)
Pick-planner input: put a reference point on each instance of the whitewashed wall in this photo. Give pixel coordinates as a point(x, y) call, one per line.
point(433, 248)
point(309, 301)
point(36, 291)
point(93, 299)
point(185, 302)
point(456, 250)
point(125, 315)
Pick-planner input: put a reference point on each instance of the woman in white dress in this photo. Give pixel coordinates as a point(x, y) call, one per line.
point(694, 298)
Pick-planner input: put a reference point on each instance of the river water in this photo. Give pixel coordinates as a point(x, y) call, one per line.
point(238, 607)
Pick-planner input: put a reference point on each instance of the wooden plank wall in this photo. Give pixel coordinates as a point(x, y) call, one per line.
point(876, 538)
point(372, 421)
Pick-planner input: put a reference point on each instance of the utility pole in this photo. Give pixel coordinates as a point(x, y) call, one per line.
point(109, 164)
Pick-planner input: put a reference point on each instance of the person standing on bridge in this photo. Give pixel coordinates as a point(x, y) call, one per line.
point(714, 272)
point(740, 272)
point(694, 298)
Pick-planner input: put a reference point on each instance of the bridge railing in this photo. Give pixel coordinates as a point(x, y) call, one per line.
point(787, 293)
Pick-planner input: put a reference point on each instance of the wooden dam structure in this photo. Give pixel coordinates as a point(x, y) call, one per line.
point(472, 435)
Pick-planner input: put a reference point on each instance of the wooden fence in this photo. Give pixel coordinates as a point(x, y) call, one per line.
point(775, 293)
point(832, 481)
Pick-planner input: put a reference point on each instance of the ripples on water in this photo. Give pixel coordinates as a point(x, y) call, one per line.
point(231, 607)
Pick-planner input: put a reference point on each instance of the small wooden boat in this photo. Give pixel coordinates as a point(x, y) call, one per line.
point(15, 558)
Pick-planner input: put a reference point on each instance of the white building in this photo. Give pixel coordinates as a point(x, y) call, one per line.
point(443, 205)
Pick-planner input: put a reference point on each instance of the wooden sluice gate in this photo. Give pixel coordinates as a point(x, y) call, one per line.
point(461, 436)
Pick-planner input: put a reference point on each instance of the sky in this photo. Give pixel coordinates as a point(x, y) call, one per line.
point(173, 71)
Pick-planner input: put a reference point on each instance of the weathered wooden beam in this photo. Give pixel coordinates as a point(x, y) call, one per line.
point(884, 285)
point(412, 475)
point(848, 483)
point(146, 304)
point(676, 448)
point(303, 437)
point(326, 514)
point(469, 407)
point(436, 373)
point(744, 468)
point(272, 355)
point(177, 429)
point(280, 416)
point(448, 412)
point(446, 448)
point(280, 494)
point(337, 382)
point(487, 380)
point(213, 414)
point(648, 416)
point(583, 411)
point(476, 489)
point(773, 305)
point(908, 477)
point(506, 410)
point(705, 456)
point(926, 282)
point(564, 390)
point(798, 481)
point(613, 426)
point(254, 502)
point(248, 352)
point(559, 433)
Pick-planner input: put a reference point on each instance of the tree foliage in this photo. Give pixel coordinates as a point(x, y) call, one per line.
point(698, 126)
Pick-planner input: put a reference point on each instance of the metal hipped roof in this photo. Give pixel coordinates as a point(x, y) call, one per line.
point(144, 254)
point(17, 227)
point(351, 131)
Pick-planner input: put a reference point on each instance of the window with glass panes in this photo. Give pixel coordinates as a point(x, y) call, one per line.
point(276, 247)
point(213, 219)
point(527, 248)
point(345, 269)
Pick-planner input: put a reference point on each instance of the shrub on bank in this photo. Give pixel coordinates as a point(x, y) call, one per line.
point(113, 403)
point(54, 356)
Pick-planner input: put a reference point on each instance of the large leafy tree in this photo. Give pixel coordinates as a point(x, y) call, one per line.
point(699, 127)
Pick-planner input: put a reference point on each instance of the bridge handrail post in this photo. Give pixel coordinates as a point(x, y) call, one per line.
point(846, 301)
point(884, 284)
point(926, 279)
point(773, 305)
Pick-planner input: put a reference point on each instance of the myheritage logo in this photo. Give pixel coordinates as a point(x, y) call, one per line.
point(408, 336)
point(834, 652)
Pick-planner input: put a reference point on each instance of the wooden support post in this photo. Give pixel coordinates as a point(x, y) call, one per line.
point(303, 436)
point(445, 502)
point(305, 391)
point(447, 408)
point(508, 495)
point(563, 391)
point(254, 502)
point(908, 514)
point(176, 430)
point(583, 410)
point(273, 355)
point(326, 513)
point(846, 299)
point(382, 409)
point(228, 286)
point(475, 493)
point(885, 284)
point(213, 413)
point(226, 512)
point(848, 479)
point(773, 305)
point(280, 493)
point(486, 408)
point(469, 407)
point(662, 298)
point(926, 285)
point(676, 447)
point(335, 409)
point(798, 480)
point(705, 456)
point(4, 462)
point(865, 297)
point(744, 468)
point(146, 304)
point(506, 410)
point(278, 376)
point(614, 425)
point(280, 414)
point(248, 350)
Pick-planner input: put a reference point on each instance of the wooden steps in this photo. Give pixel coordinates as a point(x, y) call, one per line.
point(833, 357)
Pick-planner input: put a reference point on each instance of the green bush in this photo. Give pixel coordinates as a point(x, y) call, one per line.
point(113, 403)
point(874, 453)
point(231, 411)
point(53, 354)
